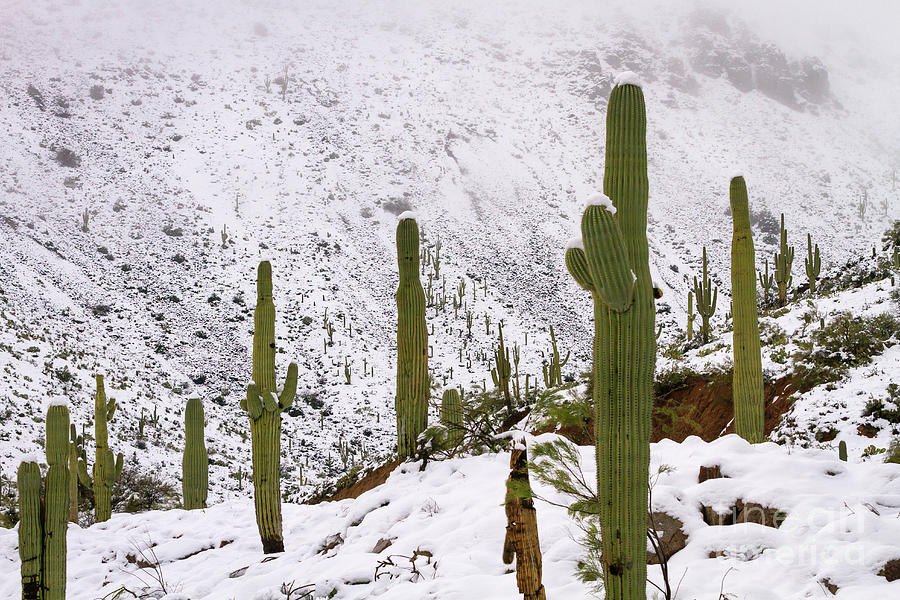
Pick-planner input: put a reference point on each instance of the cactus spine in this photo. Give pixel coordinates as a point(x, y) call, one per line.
point(411, 401)
point(553, 369)
point(783, 261)
point(264, 407)
point(106, 468)
point(813, 264)
point(612, 263)
point(749, 410)
point(452, 417)
point(195, 462)
point(707, 296)
point(43, 525)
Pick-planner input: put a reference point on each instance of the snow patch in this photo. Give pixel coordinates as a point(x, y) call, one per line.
point(58, 402)
point(409, 214)
point(602, 200)
point(628, 78)
point(575, 242)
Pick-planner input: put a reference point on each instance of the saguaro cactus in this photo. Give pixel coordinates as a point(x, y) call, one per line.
point(707, 296)
point(765, 281)
point(553, 367)
point(612, 263)
point(813, 264)
point(452, 416)
point(690, 316)
point(783, 261)
point(195, 461)
point(502, 370)
point(749, 410)
point(264, 406)
point(31, 529)
point(76, 451)
point(106, 468)
point(42, 530)
point(411, 401)
point(842, 451)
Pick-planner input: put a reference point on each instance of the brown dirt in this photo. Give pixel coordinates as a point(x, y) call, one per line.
point(369, 481)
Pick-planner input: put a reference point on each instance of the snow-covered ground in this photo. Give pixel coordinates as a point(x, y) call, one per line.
point(841, 526)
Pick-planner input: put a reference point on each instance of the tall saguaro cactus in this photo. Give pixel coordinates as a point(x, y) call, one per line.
point(195, 461)
point(706, 299)
point(411, 401)
point(612, 262)
point(42, 531)
point(749, 410)
point(452, 416)
point(106, 468)
point(813, 264)
point(784, 258)
point(264, 405)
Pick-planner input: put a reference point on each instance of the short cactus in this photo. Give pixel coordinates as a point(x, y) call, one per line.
point(749, 409)
point(106, 468)
point(842, 450)
point(813, 264)
point(691, 316)
point(706, 297)
point(502, 370)
point(766, 281)
point(452, 417)
point(264, 406)
point(553, 367)
point(411, 401)
point(195, 461)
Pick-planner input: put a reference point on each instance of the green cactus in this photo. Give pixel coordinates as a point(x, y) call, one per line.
point(31, 530)
point(553, 367)
point(842, 450)
point(706, 296)
point(813, 264)
point(264, 406)
point(612, 262)
point(749, 408)
point(56, 503)
point(411, 401)
point(107, 469)
point(691, 315)
point(502, 370)
point(766, 281)
point(783, 261)
point(76, 451)
point(452, 417)
point(195, 461)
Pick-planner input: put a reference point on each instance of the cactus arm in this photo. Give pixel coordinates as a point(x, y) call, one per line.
point(253, 404)
point(562, 363)
point(606, 256)
point(28, 478)
point(576, 263)
point(83, 475)
point(286, 398)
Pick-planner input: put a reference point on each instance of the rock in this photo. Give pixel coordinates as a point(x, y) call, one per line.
point(238, 573)
point(891, 570)
point(381, 545)
point(713, 472)
point(752, 512)
point(672, 537)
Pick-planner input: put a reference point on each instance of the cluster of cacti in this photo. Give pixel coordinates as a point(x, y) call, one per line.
point(195, 461)
point(502, 370)
point(44, 522)
point(107, 469)
point(813, 264)
point(411, 401)
point(784, 259)
point(264, 406)
point(748, 381)
point(553, 367)
point(612, 262)
point(706, 297)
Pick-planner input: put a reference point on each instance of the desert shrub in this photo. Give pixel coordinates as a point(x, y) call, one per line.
point(846, 342)
point(97, 92)
point(893, 452)
point(140, 489)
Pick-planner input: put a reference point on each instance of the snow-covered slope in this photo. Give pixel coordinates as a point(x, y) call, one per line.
point(166, 121)
point(839, 530)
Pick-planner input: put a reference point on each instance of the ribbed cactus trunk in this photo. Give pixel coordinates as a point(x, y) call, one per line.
point(195, 461)
point(264, 407)
point(749, 408)
point(106, 468)
point(452, 417)
point(411, 401)
point(31, 534)
point(613, 264)
point(56, 503)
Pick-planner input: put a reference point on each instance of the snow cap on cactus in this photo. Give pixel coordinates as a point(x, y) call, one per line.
point(575, 242)
point(408, 214)
point(628, 78)
point(58, 402)
point(31, 457)
point(602, 200)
